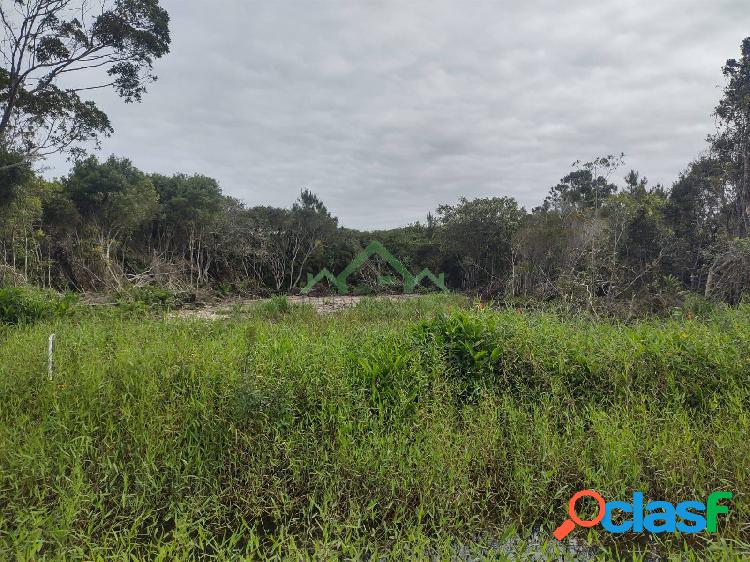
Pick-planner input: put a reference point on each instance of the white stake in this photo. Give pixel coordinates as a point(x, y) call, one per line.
point(50, 352)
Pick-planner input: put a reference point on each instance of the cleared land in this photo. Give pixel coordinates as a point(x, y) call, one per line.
point(322, 305)
point(427, 428)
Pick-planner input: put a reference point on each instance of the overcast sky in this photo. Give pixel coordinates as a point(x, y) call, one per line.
point(388, 108)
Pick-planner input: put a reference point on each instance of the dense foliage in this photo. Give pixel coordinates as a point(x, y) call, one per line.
point(397, 431)
point(26, 305)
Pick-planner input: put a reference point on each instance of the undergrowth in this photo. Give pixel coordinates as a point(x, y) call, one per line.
point(27, 305)
point(405, 431)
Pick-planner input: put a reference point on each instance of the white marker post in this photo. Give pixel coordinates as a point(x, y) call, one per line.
point(50, 353)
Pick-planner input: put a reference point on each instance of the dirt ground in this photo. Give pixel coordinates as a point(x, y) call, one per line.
point(324, 305)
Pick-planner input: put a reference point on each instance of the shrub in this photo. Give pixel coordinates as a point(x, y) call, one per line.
point(362, 290)
point(244, 288)
point(695, 306)
point(27, 305)
point(275, 306)
point(153, 297)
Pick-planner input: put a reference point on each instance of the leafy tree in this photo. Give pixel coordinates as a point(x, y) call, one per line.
point(731, 144)
point(190, 210)
point(635, 184)
point(639, 238)
point(60, 222)
point(414, 245)
point(539, 247)
point(113, 197)
point(477, 237)
point(20, 217)
point(291, 237)
point(46, 40)
point(238, 246)
point(588, 186)
point(729, 275)
point(188, 204)
point(14, 172)
point(312, 227)
point(698, 213)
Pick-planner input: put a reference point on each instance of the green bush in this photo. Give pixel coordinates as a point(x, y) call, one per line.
point(274, 307)
point(695, 305)
point(27, 305)
point(245, 288)
point(154, 297)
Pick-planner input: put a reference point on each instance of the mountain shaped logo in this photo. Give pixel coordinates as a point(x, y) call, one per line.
point(373, 248)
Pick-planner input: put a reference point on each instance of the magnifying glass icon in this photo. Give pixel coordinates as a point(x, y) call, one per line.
point(569, 524)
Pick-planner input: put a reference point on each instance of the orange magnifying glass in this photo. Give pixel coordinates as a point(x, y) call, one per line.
point(569, 524)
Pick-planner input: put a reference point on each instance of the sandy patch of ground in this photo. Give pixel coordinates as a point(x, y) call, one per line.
point(324, 305)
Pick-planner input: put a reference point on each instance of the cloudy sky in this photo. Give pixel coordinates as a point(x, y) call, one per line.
point(387, 108)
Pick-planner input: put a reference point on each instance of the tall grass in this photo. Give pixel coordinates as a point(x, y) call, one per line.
point(389, 430)
point(26, 305)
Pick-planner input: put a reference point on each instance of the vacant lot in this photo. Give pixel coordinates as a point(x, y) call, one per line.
point(424, 428)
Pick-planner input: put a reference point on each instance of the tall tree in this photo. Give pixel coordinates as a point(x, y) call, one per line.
point(477, 236)
point(697, 213)
point(190, 207)
point(291, 237)
point(14, 172)
point(44, 41)
point(19, 220)
point(587, 187)
point(113, 197)
point(732, 141)
point(311, 227)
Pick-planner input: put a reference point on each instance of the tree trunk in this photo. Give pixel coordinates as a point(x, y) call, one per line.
point(745, 194)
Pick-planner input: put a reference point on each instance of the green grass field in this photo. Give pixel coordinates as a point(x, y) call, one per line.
point(386, 431)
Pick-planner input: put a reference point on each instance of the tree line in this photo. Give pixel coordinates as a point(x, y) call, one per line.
point(108, 225)
point(600, 235)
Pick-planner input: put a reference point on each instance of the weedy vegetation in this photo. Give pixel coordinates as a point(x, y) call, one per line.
point(419, 430)
point(27, 305)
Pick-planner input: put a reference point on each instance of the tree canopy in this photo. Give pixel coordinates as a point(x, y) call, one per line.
point(113, 42)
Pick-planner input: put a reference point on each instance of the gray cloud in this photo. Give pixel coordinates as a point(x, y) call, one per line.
point(387, 108)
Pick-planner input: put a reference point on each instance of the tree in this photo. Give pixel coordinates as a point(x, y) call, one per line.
point(698, 213)
point(635, 184)
point(638, 238)
point(731, 144)
point(238, 247)
point(477, 236)
point(729, 274)
point(113, 197)
point(60, 222)
point(413, 245)
point(539, 251)
point(14, 172)
point(290, 237)
point(190, 209)
point(312, 226)
point(45, 41)
point(19, 220)
point(587, 187)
